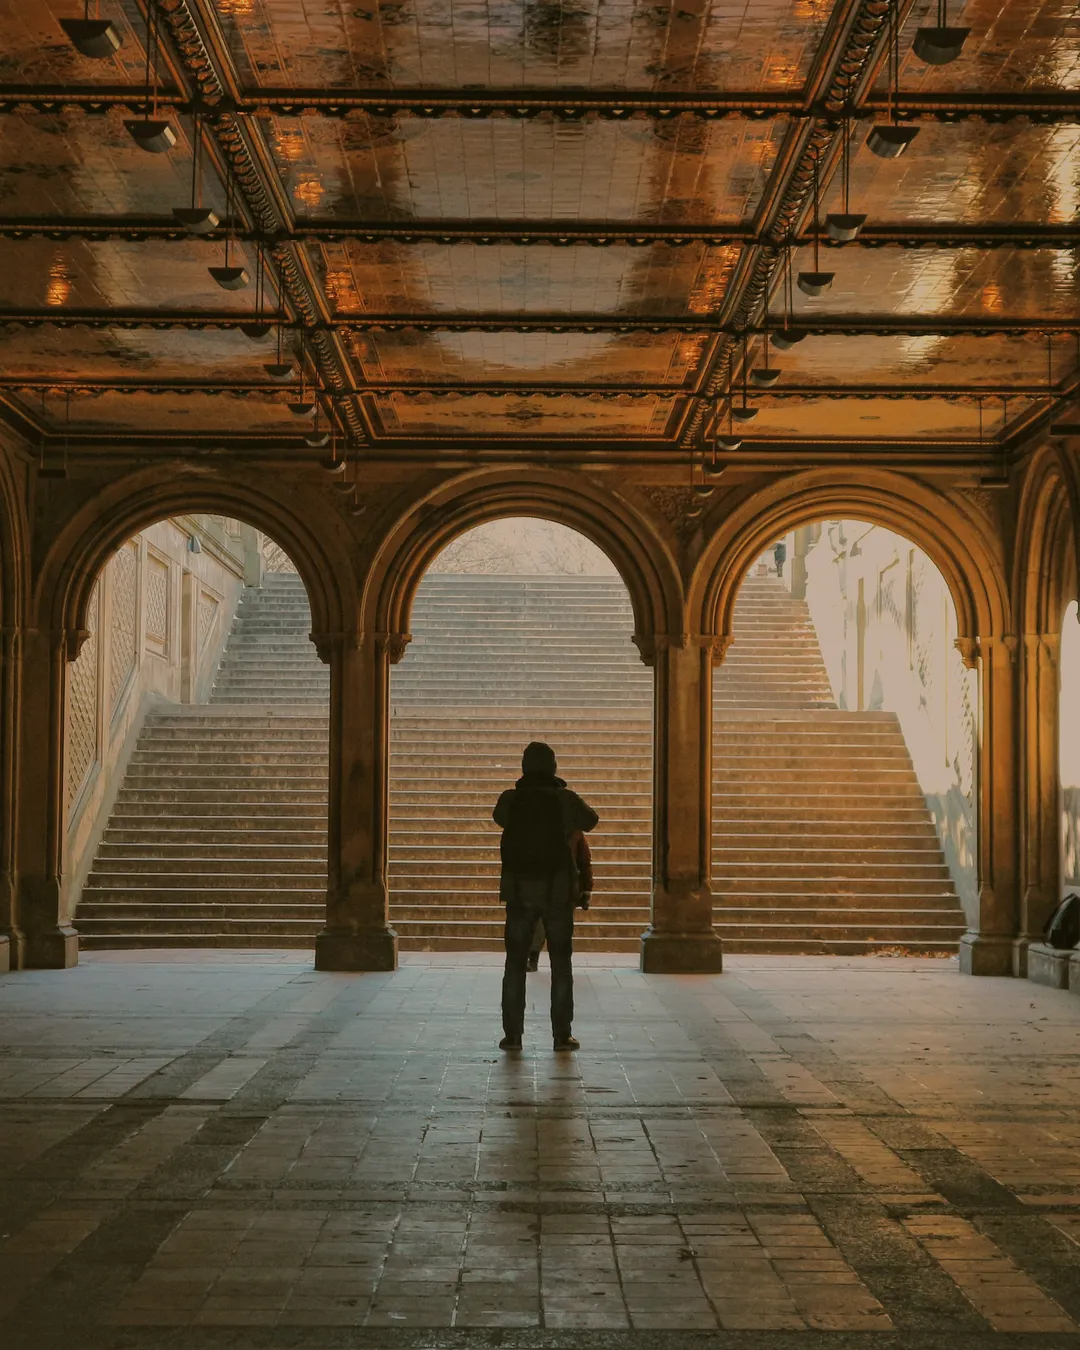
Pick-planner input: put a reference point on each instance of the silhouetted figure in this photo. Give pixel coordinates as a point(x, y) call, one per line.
point(779, 557)
point(582, 855)
point(538, 816)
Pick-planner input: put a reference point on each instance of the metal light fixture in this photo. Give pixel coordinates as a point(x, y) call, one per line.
point(817, 281)
point(765, 376)
point(279, 370)
point(317, 439)
point(744, 414)
point(844, 226)
point(940, 45)
point(889, 140)
point(97, 38)
point(196, 218)
point(150, 132)
point(728, 442)
point(786, 338)
point(259, 328)
point(301, 408)
point(230, 277)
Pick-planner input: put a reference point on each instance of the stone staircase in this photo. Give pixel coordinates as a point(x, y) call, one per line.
point(218, 833)
point(822, 841)
point(496, 662)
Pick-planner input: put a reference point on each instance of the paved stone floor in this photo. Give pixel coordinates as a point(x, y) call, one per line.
point(232, 1150)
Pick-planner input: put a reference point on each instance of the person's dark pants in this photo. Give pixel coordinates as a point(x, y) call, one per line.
point(520, 926)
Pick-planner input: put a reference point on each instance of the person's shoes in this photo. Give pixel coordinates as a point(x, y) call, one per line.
point(533, 963)
point(510, 1043)
point(567, 1043)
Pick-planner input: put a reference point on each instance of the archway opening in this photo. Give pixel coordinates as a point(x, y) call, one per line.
point(1069, 750)
point(196, 747)
point(844, 752)
point(521, 630)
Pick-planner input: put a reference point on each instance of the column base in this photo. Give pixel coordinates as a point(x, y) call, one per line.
point(363, 949)
point(681, 953)
point(5, 954)
point(1048, 965)
point(1021, 946)
point(55, 949)
point(984, 955)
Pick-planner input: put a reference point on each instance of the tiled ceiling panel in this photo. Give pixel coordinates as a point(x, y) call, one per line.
point(509, 279)
point(405, 168)
point(69, 164)
point(77, 274)
point(463, 44)
point(1014, 46)
point(484, 416)
point(1014, 172)
point(170, 414)
point(873, 419)
point(638, 358)
point(35, 50)
point(965, 283)
point(82, 353)
point(967, 360)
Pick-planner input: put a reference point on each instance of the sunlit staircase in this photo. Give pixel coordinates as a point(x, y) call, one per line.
point(822, 840)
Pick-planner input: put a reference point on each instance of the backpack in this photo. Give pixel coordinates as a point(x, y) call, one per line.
point(534, 842)
point(1063, 927)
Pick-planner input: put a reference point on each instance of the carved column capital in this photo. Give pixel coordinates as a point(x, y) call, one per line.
point(650, 645)
point(329, 645)
point(968, 647)
point(70, 641)
point(717, 645)
point(393, 645)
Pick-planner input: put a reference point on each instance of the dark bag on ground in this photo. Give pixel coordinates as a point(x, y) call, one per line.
point(1063, 928)
point(534, 841)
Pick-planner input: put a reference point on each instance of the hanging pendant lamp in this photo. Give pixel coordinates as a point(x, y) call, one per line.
point(258, 328)
point(196, 218)
point(889, 140)
point(817, 281)
point(844, 226)
point(230, 277)
point(97, 38)
point(150, 132)
point(940, 45)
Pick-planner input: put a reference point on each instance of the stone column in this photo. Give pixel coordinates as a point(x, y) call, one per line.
point(357, 935)
point(46, 937)
point(1040, 799)
point(988, 948)
point(10, 658)
point(680, 939)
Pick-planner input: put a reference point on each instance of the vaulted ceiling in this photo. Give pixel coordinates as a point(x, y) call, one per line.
point(550, 224)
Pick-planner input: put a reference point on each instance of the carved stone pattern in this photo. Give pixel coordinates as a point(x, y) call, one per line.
point(674, 504)
point(209, 607)
point(984, 501)
point(83, 699)
point(157, 603)
point(125, 620)
point(275, 559)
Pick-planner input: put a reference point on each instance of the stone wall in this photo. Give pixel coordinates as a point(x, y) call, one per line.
point(887, 629)
point(157, 623)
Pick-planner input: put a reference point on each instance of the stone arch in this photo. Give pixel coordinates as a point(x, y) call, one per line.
point(88, 539)
point(435, 519)
point(13, 534)
point(958, 539)
point(1044, 564)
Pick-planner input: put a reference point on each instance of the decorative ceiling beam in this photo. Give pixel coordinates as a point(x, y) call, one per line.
point(598, 234)
point(824, 325)
point(94, 386)
point(834, 100)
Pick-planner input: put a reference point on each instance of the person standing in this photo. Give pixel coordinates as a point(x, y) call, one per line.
point(539, 880)
point(779, 557)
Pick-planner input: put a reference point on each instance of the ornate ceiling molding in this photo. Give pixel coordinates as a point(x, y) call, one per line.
point(601, 234)
point(832, 325)
point(1048, 107)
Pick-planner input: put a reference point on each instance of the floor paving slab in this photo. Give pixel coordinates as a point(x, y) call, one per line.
point(216, 1150)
